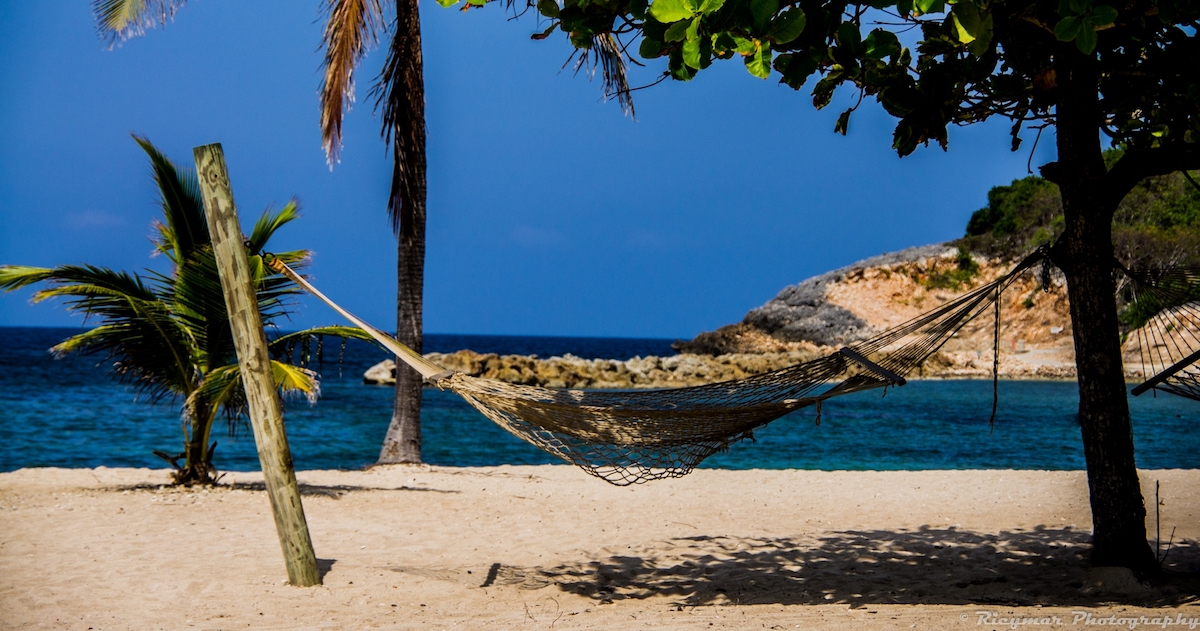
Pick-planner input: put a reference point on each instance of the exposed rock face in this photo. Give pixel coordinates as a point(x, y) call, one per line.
point(739, 338)
point(871, 296)
point(803, 312)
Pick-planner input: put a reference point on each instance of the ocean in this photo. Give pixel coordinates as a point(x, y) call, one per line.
point(69, 413)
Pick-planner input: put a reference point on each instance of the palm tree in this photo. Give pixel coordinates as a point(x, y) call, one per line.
point(352, 29)
point(169, 334)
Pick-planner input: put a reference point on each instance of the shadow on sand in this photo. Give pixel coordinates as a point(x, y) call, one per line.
point(862, 568)
point(334, 491)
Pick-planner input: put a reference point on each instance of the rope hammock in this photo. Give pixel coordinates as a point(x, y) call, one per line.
point(633, 437)
point(1168, 301)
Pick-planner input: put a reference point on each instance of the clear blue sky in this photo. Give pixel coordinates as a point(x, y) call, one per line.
point(550, 213)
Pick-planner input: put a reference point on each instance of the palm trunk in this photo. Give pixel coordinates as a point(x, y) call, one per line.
point(1086, 258)
point(402, 444)
point(405, 109)
point(196, 466)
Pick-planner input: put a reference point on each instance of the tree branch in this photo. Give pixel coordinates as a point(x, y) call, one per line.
point(1138, 164)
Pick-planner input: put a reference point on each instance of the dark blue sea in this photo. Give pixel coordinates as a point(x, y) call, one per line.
point(69, 413)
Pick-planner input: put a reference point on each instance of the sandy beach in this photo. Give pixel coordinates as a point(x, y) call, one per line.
point(549, 547)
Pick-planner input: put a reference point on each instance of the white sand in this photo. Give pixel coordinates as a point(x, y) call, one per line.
point(549, 547)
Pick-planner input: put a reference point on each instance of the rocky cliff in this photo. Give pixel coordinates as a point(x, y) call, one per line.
point(861, 300)
point(808, 311)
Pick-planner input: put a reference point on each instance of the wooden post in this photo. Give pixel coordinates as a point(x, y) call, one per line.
point(266, 412)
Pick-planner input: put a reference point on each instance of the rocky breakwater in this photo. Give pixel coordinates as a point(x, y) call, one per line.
point(569, 371)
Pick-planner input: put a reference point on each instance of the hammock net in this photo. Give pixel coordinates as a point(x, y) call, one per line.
point(1164, 311)
point(630, 437)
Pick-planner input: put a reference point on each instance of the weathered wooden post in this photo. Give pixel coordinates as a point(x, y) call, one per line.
point(266, 412)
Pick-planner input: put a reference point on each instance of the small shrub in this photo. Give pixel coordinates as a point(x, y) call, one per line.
point(964, 270)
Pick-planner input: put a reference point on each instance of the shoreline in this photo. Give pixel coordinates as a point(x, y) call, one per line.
point(164, 473)
point(550, 547)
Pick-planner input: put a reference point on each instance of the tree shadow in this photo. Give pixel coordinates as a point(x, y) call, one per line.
point(334, 491)
point(862, 568)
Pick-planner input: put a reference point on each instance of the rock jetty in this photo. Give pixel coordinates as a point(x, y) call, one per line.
point(574, 372)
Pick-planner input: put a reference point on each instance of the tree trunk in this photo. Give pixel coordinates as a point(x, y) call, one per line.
point(404, 108)
point(197, 465)
point(1086, 258)
point(402, 444)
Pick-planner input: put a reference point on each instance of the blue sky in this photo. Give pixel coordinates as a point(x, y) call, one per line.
point(550, 213)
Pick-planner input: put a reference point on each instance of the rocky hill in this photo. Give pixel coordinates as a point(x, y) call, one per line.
point(861, 300)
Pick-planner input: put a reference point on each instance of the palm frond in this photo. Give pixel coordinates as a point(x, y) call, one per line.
point(81, 343)
point(400, 93)
point(119, 20)
point(18, 276)
point(283, 348)
point(296, 380)
point(269, 222)
point(346, 332)
point(145, 344)
point(186, 228)
point(144, 352)
point(92, 287)
point(351, 30)
point(222, 388)
point(613, 70)
point(199, 301)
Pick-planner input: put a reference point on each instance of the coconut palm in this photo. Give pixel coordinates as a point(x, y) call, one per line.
point(169, 334)
point(353, 28)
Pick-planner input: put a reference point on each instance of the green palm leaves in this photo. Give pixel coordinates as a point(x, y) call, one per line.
point(168, 334)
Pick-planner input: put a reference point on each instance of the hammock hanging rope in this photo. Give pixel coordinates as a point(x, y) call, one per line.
point(632, 437)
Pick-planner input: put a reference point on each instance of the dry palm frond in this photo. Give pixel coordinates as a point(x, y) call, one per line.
point(613, 71)
point(119, 20)
point(607, 54)
point(352, 29)
point(400, 94)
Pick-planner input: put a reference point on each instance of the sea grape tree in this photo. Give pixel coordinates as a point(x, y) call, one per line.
point(1100, 73)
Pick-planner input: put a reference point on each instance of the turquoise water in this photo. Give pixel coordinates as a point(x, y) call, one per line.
point(68, 413)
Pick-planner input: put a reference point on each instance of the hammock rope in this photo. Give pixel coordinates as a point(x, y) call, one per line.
point(630, 437)
point(1169, 340)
